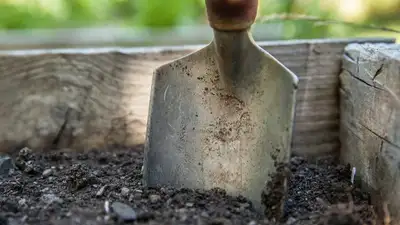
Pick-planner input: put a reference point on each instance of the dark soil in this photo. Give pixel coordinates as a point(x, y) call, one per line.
point(63, 187)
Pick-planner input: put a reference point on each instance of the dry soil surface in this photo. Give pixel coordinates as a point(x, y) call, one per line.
point(104, 187)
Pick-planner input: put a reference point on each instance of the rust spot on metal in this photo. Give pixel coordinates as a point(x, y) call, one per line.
point(230, 15)
point(235, 119)
point(231, 100)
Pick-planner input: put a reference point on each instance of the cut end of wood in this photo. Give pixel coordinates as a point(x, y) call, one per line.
point(370, 121)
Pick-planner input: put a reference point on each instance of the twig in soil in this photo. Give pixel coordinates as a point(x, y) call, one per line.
point(107, 206)
point(320, 21)
point(353, 174)
point(386, 220)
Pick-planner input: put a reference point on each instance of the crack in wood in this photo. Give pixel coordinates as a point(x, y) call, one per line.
point(363, 81)
point(381, 147)
point(60, 132)
point(380, 136)
point(379, 71)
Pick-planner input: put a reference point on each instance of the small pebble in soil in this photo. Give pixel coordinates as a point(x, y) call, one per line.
point(124, 191)
point(47, 172)
point(154, 198)
point(51, 198)
point(6, 165)
point(252, 222)
point(24, 152)
point(100, 192)
point(22, 202)
point(123, 211)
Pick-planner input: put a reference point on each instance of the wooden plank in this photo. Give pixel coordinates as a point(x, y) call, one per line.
point(315, 150)
point(318, 80)
point(327, 125)
point(370, 119)
point(93, 98)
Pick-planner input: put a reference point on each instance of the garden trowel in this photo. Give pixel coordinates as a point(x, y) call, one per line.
point(222, 117)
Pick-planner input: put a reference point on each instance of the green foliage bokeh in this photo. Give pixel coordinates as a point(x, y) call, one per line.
point(29, 14)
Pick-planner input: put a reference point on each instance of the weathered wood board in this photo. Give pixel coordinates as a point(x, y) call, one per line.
point(370, 119)
point(94, 98)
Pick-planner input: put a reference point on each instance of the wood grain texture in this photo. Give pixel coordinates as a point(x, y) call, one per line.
point(95, 98)
point(370, 119)
point(318, 65)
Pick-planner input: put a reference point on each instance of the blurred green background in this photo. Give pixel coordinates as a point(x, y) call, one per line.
point(50, 14)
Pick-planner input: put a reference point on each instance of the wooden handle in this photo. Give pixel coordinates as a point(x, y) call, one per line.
point(231, 15)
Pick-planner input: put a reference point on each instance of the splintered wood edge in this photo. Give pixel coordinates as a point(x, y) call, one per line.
point(98, 97)
point(370, 120)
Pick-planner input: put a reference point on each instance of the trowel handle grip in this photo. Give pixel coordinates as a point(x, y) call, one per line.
point(231, 15)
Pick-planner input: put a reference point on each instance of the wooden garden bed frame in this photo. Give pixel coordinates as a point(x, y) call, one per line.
point(98, 97)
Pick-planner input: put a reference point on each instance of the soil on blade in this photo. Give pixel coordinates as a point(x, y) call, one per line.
point(65, 187)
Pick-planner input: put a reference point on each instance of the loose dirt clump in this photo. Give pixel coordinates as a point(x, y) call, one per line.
point(104, 187)
point(274, 193)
